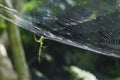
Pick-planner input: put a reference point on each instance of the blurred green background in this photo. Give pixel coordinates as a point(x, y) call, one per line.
point(60, 61)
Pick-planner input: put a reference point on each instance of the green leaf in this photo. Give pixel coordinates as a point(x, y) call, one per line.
point(80, 74)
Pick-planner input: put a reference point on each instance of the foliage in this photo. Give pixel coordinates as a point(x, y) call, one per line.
point(2, 25)
point(32, 4)
point(79, 74)
point(58, 55)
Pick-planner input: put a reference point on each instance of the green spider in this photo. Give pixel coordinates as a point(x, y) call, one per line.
point(40, 40)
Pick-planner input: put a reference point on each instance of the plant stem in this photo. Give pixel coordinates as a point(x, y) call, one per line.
point(17, 48)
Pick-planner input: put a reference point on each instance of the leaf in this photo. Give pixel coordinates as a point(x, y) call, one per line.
point(80, 74)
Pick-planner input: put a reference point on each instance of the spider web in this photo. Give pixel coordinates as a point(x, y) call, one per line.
point(94, 26)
